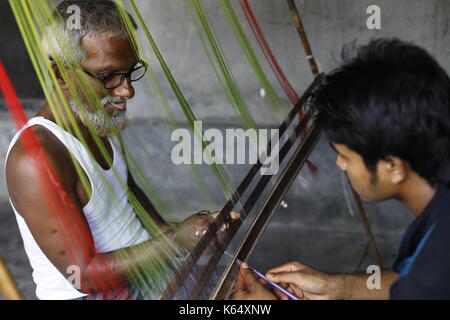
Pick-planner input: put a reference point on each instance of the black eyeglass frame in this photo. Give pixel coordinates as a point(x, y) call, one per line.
point(124, 75)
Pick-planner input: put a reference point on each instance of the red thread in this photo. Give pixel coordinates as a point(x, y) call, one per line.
point(61, 207)
point(284, 82)
point(289, 90)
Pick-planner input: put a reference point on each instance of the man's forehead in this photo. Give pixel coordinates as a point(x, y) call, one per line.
point(108, 52)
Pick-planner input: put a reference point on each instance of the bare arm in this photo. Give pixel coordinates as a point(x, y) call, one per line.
point(56, 230)
point(312, 284)
point(63, 234)
point(354, 286)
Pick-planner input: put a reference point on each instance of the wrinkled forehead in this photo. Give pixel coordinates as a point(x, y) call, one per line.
point(103, 52)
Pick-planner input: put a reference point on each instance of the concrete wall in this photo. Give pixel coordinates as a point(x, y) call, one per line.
point(330, 25)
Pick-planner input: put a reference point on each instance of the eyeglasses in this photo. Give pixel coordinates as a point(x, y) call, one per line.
point(114, 80)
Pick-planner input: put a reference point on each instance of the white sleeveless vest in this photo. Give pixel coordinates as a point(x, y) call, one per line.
point(112, 220)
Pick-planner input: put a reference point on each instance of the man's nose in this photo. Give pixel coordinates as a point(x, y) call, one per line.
point(125, 90)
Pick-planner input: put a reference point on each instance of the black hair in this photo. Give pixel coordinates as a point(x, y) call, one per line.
point(392, 99)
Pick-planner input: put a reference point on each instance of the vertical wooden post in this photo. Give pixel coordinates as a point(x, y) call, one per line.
point(304, 39)
point(7, 285)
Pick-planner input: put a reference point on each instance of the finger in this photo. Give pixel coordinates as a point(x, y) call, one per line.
point(249, 278)
point(224, 227)
point(214, 214)
point(240, 286)
point(240, 283)
point(284, 277)
point(235, 215)
point(288, 267)
point(293, 285)
point(200, 232)
point(280, 294)
point(298, 279)
point(300, 293)
point(262, 281)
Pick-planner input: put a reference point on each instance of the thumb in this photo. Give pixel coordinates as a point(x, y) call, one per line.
point(249, 278)
point(240, 284)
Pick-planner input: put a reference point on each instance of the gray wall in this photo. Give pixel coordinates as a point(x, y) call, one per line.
point(330, 25)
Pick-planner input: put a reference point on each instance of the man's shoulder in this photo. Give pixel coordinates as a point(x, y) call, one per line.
point(426, 272)
point(440, 224)
point(433, 258)
point(25, 151)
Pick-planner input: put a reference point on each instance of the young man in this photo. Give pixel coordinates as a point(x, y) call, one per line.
point(109, 242)
point(386, 113)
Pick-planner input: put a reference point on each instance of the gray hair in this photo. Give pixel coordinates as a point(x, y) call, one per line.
point(97, 17)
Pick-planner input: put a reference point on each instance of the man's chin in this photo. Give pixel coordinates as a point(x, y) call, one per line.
point(112, 129)
point(368, 199)
point(121, 126)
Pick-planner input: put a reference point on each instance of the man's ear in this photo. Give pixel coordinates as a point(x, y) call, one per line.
point(397, 169)
point(59, 77)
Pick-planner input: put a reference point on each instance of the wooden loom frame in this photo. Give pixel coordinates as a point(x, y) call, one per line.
point(295, 155)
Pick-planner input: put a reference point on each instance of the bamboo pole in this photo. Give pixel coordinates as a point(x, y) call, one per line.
point(303, 37)
point(7, 285)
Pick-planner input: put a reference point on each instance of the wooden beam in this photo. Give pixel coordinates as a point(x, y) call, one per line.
point(7, 285)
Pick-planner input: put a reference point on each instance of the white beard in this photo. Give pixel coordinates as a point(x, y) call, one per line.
point(104, 124)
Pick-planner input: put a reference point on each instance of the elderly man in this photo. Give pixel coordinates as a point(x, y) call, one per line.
point(386, 114)
point(107, 63)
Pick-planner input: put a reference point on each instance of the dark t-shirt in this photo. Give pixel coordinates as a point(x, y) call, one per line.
point(423, 260)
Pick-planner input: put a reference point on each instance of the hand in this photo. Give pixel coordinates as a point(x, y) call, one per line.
point(192, 229)
point(248, 287)
point(305, 282)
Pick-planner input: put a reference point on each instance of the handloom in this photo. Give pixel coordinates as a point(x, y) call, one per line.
point(206, 272)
